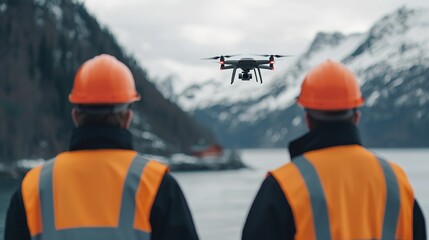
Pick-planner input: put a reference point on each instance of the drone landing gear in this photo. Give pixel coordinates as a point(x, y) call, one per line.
point(256, 75)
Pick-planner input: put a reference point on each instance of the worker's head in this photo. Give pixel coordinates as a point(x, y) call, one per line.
point(103, 92)
point(330, 94)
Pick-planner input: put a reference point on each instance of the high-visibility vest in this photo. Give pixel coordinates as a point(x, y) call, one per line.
point(346, 192)
point(92, 194)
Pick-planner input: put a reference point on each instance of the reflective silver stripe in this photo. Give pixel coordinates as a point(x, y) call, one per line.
point(46, 200)
point(95, 233)
point(132, 182)
point(125, 229)
point(319, 206)
point(317, 198)
point(393, 201)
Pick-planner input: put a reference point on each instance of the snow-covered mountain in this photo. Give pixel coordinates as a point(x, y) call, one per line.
point(391, 61)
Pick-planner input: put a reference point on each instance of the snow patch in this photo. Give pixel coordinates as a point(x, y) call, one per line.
point(3, 7)
point(57, 11)
point(372, 98)
point(402, 100)
point(150, 139)
point(422, 96)
point(397, 82)
point(159, 144)
point(284, 131)
point(296, 121)
point(38, 15)
point(223, 116)
point(57, 53)
point(72, 34)
point(40, 22)
point(82, 31)
point(29, 163)
point(336, 52)
point(40, 2)
point(420, 114)
point(276, 137)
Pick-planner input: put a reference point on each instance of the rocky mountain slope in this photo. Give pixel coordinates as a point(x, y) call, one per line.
point(42, 43)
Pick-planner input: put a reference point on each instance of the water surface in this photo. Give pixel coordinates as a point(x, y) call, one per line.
point(220, 200)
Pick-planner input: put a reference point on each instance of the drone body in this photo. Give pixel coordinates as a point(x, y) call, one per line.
point(246, 65)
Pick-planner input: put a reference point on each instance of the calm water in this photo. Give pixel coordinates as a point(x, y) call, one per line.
point(220, 200)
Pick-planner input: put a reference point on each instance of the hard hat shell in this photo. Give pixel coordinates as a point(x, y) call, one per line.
point(103, 80)
point(330, 86)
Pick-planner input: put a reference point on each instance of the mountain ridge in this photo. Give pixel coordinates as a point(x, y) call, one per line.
point(391, 61)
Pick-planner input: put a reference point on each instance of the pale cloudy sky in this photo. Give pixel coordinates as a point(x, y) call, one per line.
point(169, 37)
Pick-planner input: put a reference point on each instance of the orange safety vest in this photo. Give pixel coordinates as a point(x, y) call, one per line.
point(92, 194)
point(346, 192)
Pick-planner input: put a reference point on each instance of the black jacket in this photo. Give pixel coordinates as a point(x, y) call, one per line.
point(170, 216)
point(271, 217)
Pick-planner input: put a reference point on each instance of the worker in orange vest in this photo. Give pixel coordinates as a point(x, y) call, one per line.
point(101, 188)
point(334, 188)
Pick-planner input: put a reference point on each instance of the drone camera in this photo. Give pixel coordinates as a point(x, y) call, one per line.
point(245, 76)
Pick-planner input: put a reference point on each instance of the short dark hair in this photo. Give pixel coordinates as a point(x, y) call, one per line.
point(318, 118)
point(114, 115)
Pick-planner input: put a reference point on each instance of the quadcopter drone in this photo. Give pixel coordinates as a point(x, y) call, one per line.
point(246, 65)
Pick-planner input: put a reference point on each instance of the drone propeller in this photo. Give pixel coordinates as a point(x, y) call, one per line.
point(218, 57)
point(274, 55)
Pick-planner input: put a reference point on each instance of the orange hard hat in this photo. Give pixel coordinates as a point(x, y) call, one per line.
point(103, 80)
point(330, 86)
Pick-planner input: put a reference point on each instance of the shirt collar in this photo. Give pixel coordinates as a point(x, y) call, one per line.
point(330, 135)
point(96, 136)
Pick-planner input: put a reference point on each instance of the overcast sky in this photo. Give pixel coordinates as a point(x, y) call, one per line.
point(169, 37)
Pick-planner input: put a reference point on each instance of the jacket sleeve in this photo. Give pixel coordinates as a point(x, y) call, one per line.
point(170, 216)
point(419, 225)
point(16, 219)
point(270, 216)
